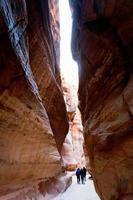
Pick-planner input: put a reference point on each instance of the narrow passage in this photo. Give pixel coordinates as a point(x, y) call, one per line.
point(69, 72)
point(79, 191)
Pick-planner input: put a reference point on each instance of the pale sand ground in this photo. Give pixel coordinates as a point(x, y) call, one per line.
point(79, 191)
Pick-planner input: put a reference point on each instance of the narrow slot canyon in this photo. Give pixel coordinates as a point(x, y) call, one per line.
point(66, 99)
point(72, 149)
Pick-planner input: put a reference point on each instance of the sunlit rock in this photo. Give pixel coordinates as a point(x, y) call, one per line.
point(102, 45)
point(72, 151)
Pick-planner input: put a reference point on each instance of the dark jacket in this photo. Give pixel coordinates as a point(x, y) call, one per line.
point(77, 172)
point(84, 171)
point(81, 172)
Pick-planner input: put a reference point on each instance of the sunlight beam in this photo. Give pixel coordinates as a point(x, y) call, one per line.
point(68, 66)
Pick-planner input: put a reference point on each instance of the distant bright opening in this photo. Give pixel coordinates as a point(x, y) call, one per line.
point(69, 69)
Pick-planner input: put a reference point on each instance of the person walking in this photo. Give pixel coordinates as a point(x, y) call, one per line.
point(82, 176)
point(78, 175)
point(84, 171)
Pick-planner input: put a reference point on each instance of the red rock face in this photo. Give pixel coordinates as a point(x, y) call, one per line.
point(78, 140)
point(102, 44)
point(45, 190)
point(72, 151)
point(68, 158)
point(55, 27)
point(45, 68)
point(32, 108)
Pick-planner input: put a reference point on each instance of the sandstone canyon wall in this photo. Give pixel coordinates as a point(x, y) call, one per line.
point(33, 120)
point(102, 44)
point(73, 152)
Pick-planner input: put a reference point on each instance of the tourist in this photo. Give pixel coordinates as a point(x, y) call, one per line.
point(84, 171)
point(78, 175)
point(82, 176)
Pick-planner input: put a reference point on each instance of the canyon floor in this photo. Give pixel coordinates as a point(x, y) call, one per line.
point(79, 191)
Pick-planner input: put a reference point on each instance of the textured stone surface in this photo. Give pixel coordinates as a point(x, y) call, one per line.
point(43, 190)
point(32, 108)
point(68, 158)
point(78, 140)
point(45, 68)
point(102, 44)
point(55, 27)
point(72, 151)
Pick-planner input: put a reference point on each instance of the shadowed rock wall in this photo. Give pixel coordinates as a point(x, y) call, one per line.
point(102, 44)
point(32, 108)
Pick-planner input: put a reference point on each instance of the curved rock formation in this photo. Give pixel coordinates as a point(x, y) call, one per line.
point(72, 151)
point(68, 158)
point(78, 140)
point(32, 108)
point(102, 44)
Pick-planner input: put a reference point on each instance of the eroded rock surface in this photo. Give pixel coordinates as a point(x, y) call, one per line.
point(102, 44)
point(32, 108)
point(72, 151)
point(43, 190)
